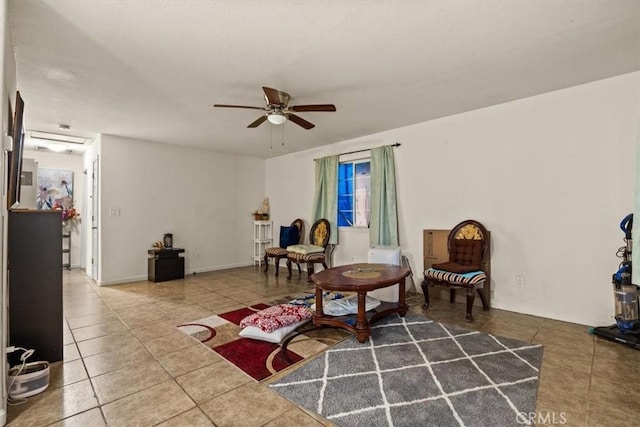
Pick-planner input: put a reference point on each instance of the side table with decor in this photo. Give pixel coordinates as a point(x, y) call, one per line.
point(165, 264)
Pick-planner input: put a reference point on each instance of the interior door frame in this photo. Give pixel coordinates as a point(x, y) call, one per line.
point(95, 210)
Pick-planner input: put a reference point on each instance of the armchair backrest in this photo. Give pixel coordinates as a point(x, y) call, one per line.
point(300, 224)
point(467, 243)
point(319, 233)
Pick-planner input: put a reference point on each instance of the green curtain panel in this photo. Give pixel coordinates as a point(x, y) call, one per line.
point(383, 229)
point(325, 201)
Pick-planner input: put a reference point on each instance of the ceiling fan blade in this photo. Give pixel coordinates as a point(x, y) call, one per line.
point(300, 121)
point(258, 122)
point(317, 107)
point(273, 95)
point(239, 106)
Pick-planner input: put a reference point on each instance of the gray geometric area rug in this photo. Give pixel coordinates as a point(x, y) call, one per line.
point(416, 372)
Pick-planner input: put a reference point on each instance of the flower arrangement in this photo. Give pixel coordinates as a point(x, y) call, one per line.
point(68, 214)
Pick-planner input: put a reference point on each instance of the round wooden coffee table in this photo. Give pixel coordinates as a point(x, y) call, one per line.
point(360, 278)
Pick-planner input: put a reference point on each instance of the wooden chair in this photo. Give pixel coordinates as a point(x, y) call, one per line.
point(277, 252)
point(317, 251)
point(468, 266)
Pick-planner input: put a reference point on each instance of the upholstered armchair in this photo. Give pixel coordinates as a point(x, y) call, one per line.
point(468, 266)
point(292, 235)
point(317, 251)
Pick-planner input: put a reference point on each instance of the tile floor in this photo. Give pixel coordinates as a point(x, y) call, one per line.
point(125, 363)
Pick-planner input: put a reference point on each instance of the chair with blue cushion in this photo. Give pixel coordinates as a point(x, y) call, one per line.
point(318, 251)
point(291, 235)
point(468, 266)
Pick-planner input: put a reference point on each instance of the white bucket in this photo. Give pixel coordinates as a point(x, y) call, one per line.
point(31, 380)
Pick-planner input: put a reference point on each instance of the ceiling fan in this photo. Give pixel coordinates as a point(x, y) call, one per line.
point(278, 109)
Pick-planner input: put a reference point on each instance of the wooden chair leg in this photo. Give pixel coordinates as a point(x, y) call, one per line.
point(266, 263)
point(289, 268)
point(483, 298)
point(425, 291)
point(310, 271)
point(470, 298)
point(452, 295)
point(277, 262)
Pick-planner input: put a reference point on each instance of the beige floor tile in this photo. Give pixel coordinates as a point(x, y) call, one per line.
point(91, 319)
point(123, 382)
point(160, 329)
point(139, 320)
point(246, 406)
point(61, 374)
point(91, 418)
point(614, 352)
point(211, 381)
point(107, 343)
point(169, 343)
point(215, 302)
point(57, 404)
point(102, 363)
point(561, 382)
point(70, 352)
point(560, 410)
point(192, 418)
point(148, 407)
point(188, 359)
point(96, 310)
point(189, 313)
point(294, 417)
point(609, 416)
point(67, 337)
point(95, 331)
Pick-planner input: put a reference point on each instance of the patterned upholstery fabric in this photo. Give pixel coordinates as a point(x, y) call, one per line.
point(474, 279)
point(305, 249)
point(296, 257)
point(276, 252)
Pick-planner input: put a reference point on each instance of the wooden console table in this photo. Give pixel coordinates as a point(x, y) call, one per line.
point(165, 264)
point(360, 278)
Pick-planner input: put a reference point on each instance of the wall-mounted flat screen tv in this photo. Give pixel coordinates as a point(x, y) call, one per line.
point(14, 159)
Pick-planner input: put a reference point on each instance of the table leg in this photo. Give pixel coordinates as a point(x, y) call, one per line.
point(362, 327)
point(402, 298)
point(319, 310)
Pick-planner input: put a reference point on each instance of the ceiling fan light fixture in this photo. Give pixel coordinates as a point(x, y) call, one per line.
point(277, 118)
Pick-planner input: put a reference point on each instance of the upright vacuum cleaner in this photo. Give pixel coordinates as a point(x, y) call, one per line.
point(625, 295)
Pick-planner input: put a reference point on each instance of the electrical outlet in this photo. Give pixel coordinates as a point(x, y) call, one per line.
point(520, 281)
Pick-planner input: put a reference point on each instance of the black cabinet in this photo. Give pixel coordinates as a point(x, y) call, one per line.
point(165, 264)
point(35, 283)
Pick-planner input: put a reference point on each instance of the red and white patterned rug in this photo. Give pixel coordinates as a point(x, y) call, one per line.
point(258, 359)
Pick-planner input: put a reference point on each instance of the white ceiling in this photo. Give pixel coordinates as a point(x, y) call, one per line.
point(152, 69)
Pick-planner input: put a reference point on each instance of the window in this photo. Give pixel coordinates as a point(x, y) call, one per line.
point(354, 193)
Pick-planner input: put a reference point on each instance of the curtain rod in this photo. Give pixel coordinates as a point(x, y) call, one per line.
point(397, 144)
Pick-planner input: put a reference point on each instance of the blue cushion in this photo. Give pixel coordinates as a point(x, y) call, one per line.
point(289, 236)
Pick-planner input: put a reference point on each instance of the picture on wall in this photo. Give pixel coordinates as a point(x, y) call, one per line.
point(55, 189)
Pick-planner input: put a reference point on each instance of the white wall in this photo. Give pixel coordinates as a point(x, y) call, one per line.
point(551, 177)
point(204, 198)
point(49, 160)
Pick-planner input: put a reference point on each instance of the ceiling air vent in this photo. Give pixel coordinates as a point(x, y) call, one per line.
point(58, 137)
